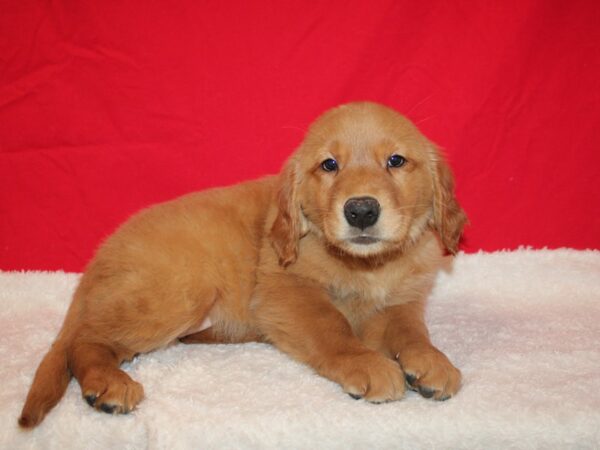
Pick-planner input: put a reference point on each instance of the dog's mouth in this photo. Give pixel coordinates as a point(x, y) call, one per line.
point(364, 240)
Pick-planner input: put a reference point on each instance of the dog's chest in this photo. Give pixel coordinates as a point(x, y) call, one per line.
point(361, 295)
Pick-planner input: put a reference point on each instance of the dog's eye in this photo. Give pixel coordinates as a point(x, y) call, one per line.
point(396, 161)
point(329, 165)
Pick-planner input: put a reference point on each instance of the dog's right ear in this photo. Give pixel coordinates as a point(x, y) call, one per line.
point(287, 227)
point(448, 217)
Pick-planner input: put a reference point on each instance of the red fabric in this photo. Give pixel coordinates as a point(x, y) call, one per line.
point(106, 107)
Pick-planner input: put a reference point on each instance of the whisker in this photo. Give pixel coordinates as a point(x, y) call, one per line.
point(398, 208)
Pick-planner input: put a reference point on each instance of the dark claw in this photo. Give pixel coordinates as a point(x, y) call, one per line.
point(90, 399)
point(426, 392)
point(444, 398)
point(410, 378)
point(355, 396)
point(108, 408)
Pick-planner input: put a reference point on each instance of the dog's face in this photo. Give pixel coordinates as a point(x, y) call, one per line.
point(367, 182)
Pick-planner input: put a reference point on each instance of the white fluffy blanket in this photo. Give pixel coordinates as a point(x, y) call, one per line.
point(523, 326)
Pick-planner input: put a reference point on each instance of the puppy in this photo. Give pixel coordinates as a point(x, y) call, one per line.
point(331, 262)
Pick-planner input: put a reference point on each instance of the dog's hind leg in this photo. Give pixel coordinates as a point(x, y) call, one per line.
point(103, 385)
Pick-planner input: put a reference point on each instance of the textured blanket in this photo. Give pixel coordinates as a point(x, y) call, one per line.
point(523, 326)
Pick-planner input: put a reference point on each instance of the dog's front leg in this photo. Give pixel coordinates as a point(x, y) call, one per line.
point(400, 332)
point(298, 317)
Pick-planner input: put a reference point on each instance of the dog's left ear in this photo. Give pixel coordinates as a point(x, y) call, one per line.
point(448, 217)
point(287, 228)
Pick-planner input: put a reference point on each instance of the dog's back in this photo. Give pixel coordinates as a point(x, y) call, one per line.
point(156, 279)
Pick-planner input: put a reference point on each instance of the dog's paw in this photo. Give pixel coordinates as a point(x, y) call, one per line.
point(371, 376)
point(430, 372)
point(111, 390)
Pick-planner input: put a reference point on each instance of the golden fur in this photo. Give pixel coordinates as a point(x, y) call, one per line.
point(275, 260)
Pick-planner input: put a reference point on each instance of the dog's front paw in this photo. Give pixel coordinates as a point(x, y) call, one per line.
point(371, 376)
point(429, 371)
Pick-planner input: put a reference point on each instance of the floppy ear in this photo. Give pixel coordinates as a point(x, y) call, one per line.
point(448, 217)
point(286, 229)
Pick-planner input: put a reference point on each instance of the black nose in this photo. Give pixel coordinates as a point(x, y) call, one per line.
point(361, 212)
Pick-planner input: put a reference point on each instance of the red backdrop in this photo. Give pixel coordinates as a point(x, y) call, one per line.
point(108, 106)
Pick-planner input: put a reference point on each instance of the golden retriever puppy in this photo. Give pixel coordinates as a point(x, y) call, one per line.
point(331, 262)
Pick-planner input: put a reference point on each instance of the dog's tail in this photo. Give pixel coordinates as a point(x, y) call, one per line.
point(49, 385)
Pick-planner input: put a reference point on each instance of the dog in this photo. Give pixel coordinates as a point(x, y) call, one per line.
point(331, 261)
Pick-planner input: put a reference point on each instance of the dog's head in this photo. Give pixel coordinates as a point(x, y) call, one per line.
point(367, 182)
